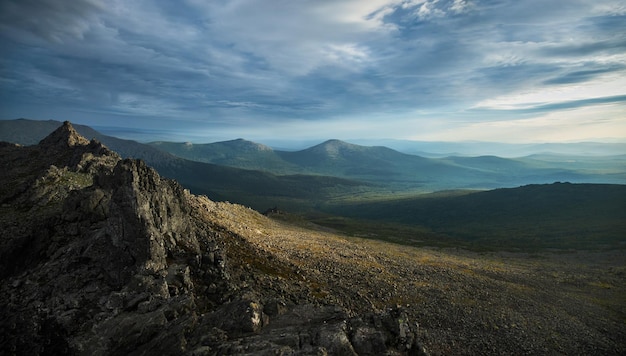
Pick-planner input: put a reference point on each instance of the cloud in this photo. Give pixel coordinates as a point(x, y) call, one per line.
point(285, 63)
point(567, 125)
point(585, 75)
point(55, 21)
point(294, 38)
point(608, 88)
point(461, 6)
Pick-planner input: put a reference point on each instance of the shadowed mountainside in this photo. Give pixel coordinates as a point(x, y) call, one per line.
point(238, 153)
point(371, 163)
point(398, 171)
point(533, 217)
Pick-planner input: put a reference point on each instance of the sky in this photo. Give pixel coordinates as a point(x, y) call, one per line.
point(430, 70)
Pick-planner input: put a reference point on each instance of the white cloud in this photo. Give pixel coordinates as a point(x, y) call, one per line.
point(429, 10)
point(407, 4)
point(460, 6)
point(604, 86)
point(598, 122)
point(348, 55)
point(613, 7)
point(295, 38)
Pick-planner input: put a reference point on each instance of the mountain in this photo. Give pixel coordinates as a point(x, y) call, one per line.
point(255, 175)
point(29, 132)
point(491, 163)
point(436, 149)
point(260, 190)
point(236, 153)
point(345, 159)
point(101, 255)
point(512, 172)
point(382, 166)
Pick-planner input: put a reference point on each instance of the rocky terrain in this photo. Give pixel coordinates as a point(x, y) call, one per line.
point(102, 256)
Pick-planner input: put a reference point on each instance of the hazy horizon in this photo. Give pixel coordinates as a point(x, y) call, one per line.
point(432, 148)
point(418, 147)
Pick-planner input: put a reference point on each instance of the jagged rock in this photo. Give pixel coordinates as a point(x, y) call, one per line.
point(375, 333)
point(66, 147)
point(63, 138)
point(102, 256)
point(239, 317)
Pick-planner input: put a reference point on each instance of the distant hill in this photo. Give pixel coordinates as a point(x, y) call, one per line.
point(26, 132)
point(260, 190)
point(476, 148)
point(609, 165)
point(395, 170)
point(559, 215)
point(511, 172)
point(378, 164)
point(238, 153)
point(490, 163)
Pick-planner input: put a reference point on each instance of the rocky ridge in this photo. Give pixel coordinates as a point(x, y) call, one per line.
point(102, 256)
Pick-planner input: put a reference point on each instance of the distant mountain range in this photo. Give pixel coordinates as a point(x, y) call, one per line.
point(384, 166)
point(257, 175)
point(256, 189)
point(508, 150)
point(432, 149)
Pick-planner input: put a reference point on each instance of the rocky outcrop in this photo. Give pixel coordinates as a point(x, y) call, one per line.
point(102, 256)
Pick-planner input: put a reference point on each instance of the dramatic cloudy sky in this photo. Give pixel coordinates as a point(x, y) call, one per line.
point(492, 70)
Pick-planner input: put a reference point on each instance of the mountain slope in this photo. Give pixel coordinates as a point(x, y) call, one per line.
point(394, 170)
point(403, 171)
point(343, 159)
point(260, 190)
point(236, 153)
point(385, 166)
point(559, 215)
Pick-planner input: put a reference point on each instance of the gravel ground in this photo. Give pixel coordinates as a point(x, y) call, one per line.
point(466, 302)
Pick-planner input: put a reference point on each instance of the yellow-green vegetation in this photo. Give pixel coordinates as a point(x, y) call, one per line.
point(53, 188)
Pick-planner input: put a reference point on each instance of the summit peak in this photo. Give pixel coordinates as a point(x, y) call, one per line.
point(64, 136)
